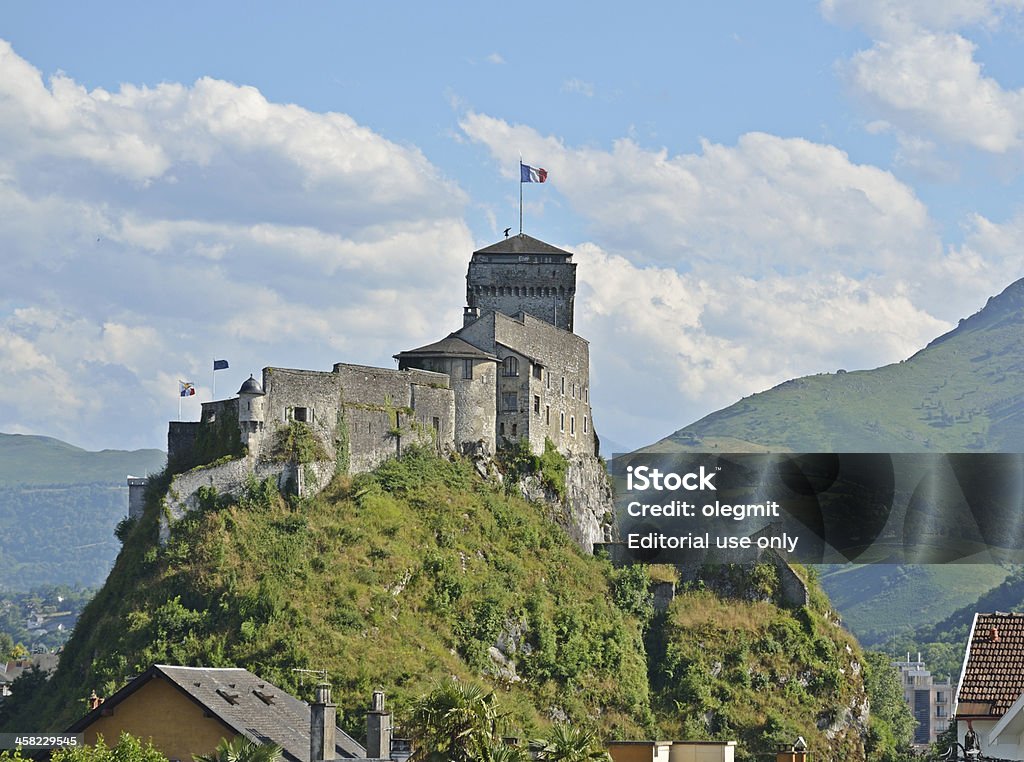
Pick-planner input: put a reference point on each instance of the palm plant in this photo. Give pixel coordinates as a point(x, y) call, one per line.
point(568, 743)
point(241, 749)
point(455, 722)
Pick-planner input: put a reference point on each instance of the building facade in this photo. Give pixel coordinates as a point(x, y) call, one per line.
point(930, 700)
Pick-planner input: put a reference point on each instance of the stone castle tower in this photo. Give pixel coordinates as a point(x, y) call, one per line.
point(522, 274)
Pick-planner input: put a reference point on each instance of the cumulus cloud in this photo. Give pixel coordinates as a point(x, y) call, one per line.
point(147, 230)
point(922, 73)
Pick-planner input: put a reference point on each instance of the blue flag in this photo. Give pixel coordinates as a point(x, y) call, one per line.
point(220, 364)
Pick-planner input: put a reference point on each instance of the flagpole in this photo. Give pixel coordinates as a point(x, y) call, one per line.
point(520, 195)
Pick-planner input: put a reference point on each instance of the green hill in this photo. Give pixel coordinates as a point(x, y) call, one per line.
point(59, 505)
point(35, 460)
point(963, 392)
point(420, 571)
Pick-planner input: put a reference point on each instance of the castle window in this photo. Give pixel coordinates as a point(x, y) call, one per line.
point(563, 386)
point(561, 421)
point(510, 366)
point(467, 369)
point(538, 370)
point(549, 379)
point(572, 425)
point(547, 415)
point(509, 402)
point(501, 429)
point(436, 423)
point(586, 394)
point(536, 404)
point(515, 427)
point(585, 429)
point(302, 414)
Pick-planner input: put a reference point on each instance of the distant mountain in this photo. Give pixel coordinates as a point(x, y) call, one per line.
point(963, 392)
point(27, 459)
point(59, 505)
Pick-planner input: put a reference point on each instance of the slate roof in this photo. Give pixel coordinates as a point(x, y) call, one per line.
point(522, 244)
point(450, 346)
point(233, 696)
point(993, 674)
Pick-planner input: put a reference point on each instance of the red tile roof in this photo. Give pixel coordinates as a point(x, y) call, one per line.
point(993, 675)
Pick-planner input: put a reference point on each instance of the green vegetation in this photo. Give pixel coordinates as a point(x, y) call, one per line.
point(892, 724)
point(394, 578)
point(298, 442)
point(517, 461)
point(241, 749)
point(420, 571)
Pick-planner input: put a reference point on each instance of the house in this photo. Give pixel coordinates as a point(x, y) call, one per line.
point(188, 710)
point(989, 709)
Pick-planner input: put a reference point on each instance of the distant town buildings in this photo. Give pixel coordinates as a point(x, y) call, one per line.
point(930, 700)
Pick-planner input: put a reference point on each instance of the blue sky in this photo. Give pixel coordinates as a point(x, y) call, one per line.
point(754, 191)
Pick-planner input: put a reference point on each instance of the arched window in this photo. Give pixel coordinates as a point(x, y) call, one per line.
point(510, 367)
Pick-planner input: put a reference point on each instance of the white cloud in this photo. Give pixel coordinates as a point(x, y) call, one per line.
point(922, 74)
point(495, 58)
point(149, 229)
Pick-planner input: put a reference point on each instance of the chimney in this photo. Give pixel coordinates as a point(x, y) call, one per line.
point(94, 701)
point(322, 721)
point(378, 729)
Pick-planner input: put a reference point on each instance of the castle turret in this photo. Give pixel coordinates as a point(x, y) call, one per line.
point(522, 274)
point(250, 413)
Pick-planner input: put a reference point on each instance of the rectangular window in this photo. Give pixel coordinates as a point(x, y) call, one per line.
point(510, 366)
point(572, 425)
point(547, 415)
point(549, 379)
point(536, 404)
point(509, 402)
point(515, 428)
point(501, 429)
point(467, 369)
point(537, 371)
point(436, 423)
point(561, 421)
point(585, 429)
point(563, 386)
point(300, 414)
point(586, 394)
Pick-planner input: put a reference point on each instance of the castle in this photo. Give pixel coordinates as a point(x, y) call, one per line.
point(514, 371)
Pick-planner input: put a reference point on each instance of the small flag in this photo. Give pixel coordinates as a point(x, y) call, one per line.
point(220, 364)
point(186, 389)
point(529, 174)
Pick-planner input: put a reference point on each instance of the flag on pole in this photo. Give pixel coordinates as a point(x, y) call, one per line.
point(220, 364)
point(186, 389)
point(528, 174)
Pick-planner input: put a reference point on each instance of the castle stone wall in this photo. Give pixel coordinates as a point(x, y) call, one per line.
point(288, 393)
point(504, 284)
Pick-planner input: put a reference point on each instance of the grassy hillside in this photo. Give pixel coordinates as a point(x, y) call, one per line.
point(420, 571)
point(963, 392)
point(35, 460)
point(886, 602)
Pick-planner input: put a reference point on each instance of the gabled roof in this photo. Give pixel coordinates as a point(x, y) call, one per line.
point(993, 674)
point(522, 244)
point(450, 346)
point(244, 702)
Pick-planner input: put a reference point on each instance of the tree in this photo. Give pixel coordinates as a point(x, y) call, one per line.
point(572, 744)
point(128, 749)
point(241, 749)
point(891, 725)
point(455, 722)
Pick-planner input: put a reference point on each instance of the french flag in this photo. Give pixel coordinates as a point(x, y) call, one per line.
point(529, 174)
